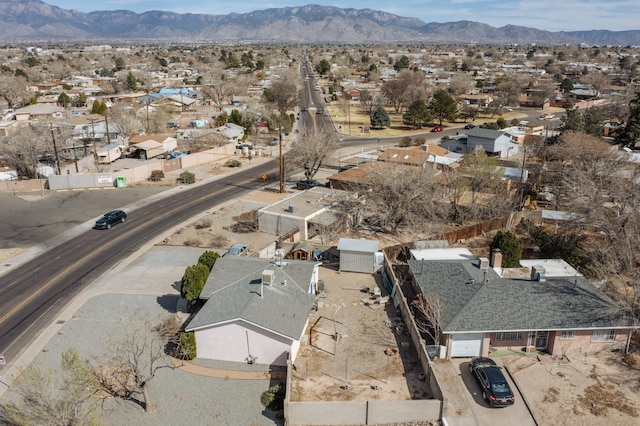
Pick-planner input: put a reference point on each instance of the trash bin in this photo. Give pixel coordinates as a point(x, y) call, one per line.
point(121, 181)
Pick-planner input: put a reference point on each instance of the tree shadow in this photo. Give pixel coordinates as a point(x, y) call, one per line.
point(169, 302)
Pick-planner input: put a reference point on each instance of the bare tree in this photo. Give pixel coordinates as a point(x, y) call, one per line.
point(62, 397)
point(407, 87)
point(25, 148)
point(218, 91)
point(399, 196)
point(13, 90)
point(428, 312)
point(137, 357)
point(312, 151)
point(124, 120)
point(369, 102)
point(283, 96)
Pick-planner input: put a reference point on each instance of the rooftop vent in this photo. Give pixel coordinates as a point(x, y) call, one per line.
point(538, 273)
point(291, 208)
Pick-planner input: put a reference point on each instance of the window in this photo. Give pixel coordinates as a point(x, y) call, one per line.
point(567, 335)
point(510, 336)
point(603, 335)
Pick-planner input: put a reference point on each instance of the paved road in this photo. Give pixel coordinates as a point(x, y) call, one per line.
point(32, 293)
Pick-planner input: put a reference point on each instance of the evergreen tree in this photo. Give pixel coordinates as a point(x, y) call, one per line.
point(631, 132)
point(64, 99)
point(417, 114)
point(509, 246)
point(443, 106)
point(208, 258)
point(323, 67)
point(132, 82)
point(193, 281)
point(380, 119)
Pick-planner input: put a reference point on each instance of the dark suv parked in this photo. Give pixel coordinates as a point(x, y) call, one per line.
point(110, 218)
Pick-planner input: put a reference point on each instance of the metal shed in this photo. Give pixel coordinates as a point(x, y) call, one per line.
point(358, 255)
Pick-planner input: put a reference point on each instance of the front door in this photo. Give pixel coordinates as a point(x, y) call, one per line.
point(541, 339)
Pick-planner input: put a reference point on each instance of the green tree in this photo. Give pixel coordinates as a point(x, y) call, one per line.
point(64, 99)
point(592, 119)
point(193, 280)
point(208, 259)
point(630, 134)
point(417, 114)
point(260, 64)
point(80, 100)
point(443, 106)
point(273, 399)
point(402, 63)
point(510, 247)
point(132, 82)
point(566, 85)
point(235, 117)
point(119, 63)
point(573, 120)
point(323, 67)
point(99, 108)
point(187, 345)
point(380, 119)
point(501, 122)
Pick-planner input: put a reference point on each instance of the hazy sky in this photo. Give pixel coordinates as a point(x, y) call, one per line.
point(552, 15)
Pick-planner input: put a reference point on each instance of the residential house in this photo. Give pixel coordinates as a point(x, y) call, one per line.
point(547, 306)
point(493, 142)
point(231, 131)
point(256, 310)
point(311, 212)
point(426, 155)
point(36, 111)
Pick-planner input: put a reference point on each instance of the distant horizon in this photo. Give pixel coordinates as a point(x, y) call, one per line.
point(571, 15)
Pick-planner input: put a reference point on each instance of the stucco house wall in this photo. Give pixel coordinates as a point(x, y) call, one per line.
point(238, 340)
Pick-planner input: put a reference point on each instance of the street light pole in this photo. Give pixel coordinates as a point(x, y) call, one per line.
point(281, 158)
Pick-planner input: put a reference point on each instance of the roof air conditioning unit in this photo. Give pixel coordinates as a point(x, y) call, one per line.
point(268, 277)
point(483, 263)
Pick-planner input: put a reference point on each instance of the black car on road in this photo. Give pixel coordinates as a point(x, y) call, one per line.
point(110, 218)
point(495, 388)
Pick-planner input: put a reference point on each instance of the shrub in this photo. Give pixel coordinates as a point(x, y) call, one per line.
point(187, 177)
point(509, 246)
point(204, 223)
point(419, 140)
point(208, 258)
point(193, 281)
point(273, 399)
point(233, 163)
point(156, 176)
point(405, 141)
point(187, 345)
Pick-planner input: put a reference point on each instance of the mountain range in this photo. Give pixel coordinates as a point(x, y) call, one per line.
point(35, 21)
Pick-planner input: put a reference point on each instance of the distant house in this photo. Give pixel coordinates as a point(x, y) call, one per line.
point(31, 112)
point(548, 306)
point(231, 131)
point(493, 142)
point(256, 310)
point(149, 146)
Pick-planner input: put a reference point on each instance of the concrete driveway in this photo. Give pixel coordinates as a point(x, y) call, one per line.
point(485, 415)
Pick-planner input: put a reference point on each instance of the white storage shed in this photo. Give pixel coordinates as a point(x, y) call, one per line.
point(359, 255)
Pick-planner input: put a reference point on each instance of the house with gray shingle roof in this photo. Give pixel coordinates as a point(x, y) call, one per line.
point(555, 310)
point(256, 310)
point(493, 142)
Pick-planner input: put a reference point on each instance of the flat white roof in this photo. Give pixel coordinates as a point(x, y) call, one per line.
point(442, 254)
point(552, 267)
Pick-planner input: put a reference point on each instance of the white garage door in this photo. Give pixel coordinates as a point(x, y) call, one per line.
point(466, 344)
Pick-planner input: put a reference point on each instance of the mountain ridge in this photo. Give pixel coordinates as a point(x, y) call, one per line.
point(35, 20)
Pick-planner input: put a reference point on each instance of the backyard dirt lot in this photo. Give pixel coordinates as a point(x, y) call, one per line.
point(582, 390)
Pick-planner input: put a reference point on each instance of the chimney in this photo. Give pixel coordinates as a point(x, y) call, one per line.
point(496, 258)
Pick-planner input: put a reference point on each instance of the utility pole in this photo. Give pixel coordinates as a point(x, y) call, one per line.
point(55, 149)
point(281, 157)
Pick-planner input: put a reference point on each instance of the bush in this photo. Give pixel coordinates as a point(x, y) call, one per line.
point(187, 178)
point(509, 246)
point(187, 345)
point(273, 399)
point(405, 141)
point(156, 176)
point(193, 281)
point(208, 258)
point(204, 223)
point(233, 163)
point(419, 140)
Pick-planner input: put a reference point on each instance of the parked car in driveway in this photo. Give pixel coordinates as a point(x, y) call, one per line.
point(494, 386)
point(437, 129)
point(469, 126)
point(110, 218)
point(238, 249)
